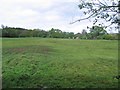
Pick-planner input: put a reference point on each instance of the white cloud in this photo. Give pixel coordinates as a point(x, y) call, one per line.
point(52, 16)
point(43, 14)
point(31, 2)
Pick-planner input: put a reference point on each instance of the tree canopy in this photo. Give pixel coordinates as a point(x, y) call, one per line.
point(96, 32)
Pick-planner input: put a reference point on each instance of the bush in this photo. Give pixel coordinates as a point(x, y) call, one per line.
point(109, 37)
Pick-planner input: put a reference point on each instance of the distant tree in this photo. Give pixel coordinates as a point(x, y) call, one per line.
point(55, 33)
point(84, 34)
point(97, 32)
point(71, 35)
point(0, 32)
point(78, 35)
point(44, 33)
point(2, 26)
point(21, 32)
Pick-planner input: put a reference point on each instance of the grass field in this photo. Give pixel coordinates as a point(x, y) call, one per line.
point(60, 63)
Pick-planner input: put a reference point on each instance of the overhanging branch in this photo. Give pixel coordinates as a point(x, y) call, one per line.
point(82, 19)
point(94, 13)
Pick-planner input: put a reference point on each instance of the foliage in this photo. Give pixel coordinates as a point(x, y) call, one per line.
point(96, 32)
point(0, 32)
point(108, 10)
point(21, 32)
point(110, 37)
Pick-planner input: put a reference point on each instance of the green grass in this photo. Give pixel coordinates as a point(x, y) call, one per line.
point(60, 63)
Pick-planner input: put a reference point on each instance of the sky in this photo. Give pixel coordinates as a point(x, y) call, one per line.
point(42, 14)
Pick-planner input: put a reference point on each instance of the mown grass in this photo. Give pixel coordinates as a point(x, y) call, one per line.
point(59, 63)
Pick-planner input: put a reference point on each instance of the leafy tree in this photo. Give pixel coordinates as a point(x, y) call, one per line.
point(97, 32)
point(55, 33)
point(110, 37)
point(65, 34)
point(84, 34)
point(0, 32)
point(78, 35)
point(71, 35)
point(108, 10)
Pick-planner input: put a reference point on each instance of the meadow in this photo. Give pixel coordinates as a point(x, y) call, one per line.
point(59, 63)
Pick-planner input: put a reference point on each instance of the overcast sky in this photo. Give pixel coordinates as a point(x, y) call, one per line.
point(42, 14)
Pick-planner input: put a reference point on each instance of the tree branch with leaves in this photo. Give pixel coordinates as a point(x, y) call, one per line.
point(108, 10)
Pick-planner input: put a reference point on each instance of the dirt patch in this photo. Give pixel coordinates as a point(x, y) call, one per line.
point(30, 49)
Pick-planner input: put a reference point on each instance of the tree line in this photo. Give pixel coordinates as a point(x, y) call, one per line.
point(96, 32)
point(13, 32)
